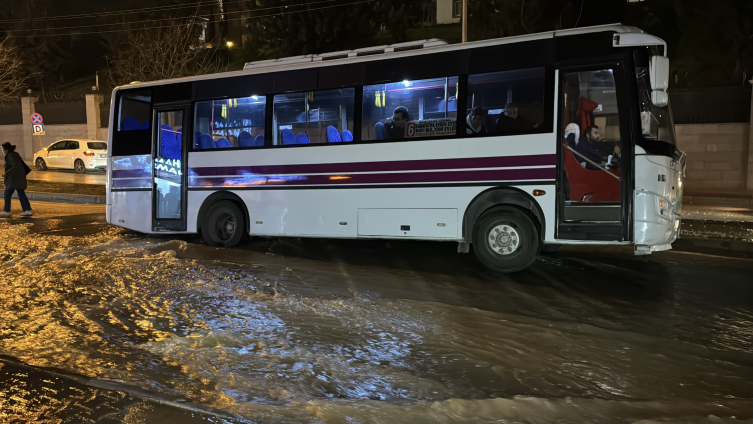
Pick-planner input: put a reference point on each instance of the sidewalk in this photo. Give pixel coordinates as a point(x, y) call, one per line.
point(716, 228)
point(65, 192)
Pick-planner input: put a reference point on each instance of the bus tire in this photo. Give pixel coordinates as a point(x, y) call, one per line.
point(506, 240)
point(224, 224)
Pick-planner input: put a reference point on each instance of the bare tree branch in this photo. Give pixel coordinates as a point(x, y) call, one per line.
point(163, 53)
point(12, 76)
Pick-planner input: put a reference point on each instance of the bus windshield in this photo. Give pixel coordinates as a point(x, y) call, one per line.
point(656, 122)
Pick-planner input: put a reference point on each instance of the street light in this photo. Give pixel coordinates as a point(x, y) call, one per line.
point(229, 44)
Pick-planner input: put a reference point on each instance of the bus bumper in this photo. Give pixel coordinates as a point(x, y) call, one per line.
point(656, 223)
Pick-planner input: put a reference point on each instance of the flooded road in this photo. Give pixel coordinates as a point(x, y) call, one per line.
point(149, 329)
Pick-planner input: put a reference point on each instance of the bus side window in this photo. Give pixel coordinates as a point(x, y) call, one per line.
point(135, 110)
point(410, 109)
point(505, 103)
point(314, 117)
point(230, 123)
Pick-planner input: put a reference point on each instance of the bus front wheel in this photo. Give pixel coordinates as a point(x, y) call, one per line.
point(223, 225)
point(506, 240)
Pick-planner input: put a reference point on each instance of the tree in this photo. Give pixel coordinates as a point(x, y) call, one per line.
point(173, 51)
point(12, 76)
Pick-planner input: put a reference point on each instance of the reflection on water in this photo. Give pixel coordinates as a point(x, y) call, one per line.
point(119, 307)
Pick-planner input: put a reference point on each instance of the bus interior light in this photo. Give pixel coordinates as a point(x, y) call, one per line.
point(407, 83)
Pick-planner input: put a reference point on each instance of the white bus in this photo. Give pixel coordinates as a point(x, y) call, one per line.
point(513, 146)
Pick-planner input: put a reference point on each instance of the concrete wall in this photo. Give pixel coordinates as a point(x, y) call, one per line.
point(13, 134)
point(717, 156)
point(444, 12)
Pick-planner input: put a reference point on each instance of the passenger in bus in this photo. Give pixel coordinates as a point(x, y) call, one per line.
point(474, 122)
point(510, 124)
point(395, 126)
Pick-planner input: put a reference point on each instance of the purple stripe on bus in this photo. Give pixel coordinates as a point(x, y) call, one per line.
point(132, 184)
point(398, 165)
point(131, 173)
point(397, 178)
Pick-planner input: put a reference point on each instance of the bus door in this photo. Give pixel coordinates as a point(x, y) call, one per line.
point(168, 171)
point(594, 175)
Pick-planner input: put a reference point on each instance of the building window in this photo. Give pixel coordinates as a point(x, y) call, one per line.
point(410, 109)
point(505, 103)
point(230, 123)
point(314, 117)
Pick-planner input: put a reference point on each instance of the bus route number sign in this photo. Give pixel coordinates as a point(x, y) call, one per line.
point(430, 128)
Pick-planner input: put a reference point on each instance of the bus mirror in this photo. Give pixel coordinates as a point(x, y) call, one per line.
point(659, 98)
point(659, 73)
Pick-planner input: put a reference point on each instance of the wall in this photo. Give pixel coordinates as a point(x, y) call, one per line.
point(444, 12)
point(14, 134)
point(717, 156)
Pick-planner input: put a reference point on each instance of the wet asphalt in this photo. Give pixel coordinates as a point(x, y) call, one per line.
point(98, 324)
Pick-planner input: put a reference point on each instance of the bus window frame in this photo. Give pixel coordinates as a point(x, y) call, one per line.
point(191, 147)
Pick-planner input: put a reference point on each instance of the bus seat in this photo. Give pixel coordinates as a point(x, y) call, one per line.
point(451, 107)
point(206, 142)
point(145, 125)
point(347, 136)
point(590, 186)
point(302, 138)
point(380, 132)
point(259, 140)
point(223, 143)
point(169, 146)
point(333, 136)
point(245, 139)
point(288, 137)
point(130, 124)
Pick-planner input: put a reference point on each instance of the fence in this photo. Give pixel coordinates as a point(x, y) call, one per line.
point(62, 113)
point(104, 115)
point(719, 105)
point(10, 114)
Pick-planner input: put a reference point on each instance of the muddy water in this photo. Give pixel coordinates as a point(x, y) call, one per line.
point(311, 331)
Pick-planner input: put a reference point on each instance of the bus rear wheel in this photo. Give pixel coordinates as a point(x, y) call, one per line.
point(224, 224)
point(506, 240)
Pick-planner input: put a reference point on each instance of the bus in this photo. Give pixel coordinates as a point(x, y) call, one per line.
point(513, 146)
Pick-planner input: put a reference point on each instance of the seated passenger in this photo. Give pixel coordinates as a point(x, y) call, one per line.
point(509, 124)
point(395, 126)
point(474, 122)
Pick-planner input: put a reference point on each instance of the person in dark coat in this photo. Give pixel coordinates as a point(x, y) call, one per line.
point(15, 180)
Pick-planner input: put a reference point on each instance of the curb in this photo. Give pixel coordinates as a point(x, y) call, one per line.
point(737, 248)
point(79, 199)
point(717, 201)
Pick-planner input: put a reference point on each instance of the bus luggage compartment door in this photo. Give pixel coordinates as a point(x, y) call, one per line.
point(417, 223)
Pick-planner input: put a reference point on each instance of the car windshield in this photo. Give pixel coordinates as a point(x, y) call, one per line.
point(97, 145)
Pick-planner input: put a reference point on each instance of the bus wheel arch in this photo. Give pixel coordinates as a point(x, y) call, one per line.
point(496, 198)
point(221, 196)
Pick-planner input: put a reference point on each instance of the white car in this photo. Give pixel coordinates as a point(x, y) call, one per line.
point(76, 154)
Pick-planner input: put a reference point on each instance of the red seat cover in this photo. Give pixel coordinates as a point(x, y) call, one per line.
point(590, 186)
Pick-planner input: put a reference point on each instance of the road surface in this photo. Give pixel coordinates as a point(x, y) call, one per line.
point(113, 326)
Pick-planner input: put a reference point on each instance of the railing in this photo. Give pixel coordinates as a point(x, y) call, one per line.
point(62, 113)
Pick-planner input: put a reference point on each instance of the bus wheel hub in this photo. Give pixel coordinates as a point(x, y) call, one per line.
point(504, 239)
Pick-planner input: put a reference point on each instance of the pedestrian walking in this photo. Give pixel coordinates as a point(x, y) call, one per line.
point(14, 178)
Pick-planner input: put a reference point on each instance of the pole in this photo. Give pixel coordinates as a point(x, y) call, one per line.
point(464, 17)
point(40, 143)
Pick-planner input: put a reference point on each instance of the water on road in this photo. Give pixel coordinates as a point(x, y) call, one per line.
point(293, 330)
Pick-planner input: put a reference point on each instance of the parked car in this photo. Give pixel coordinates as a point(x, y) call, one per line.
point(79, 155)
